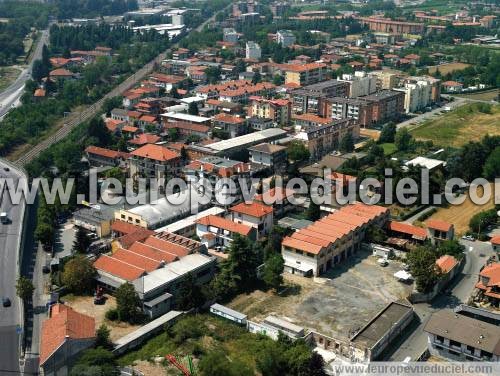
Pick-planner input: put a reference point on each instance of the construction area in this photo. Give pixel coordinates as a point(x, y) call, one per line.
point(337, 304)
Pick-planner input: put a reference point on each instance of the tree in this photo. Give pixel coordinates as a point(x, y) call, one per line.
point(174, 93)
point(173, 134)
point(97, 129)
point(297, 151)
point(81, 242)
point(480, 221)
point(422, 263)
point(193, 108)
point(102, 337)
point(38, 71)
point(111, 103)
point(184, 155)
point(127, 303)
point(189, 295)
point(78, 275)
point(44, 233)
point(313, 212)
point(215, 363)
point(491, 169)
point(403, 139)
point(24, 288)
point(347, 143)
point(96, 362)
point(256, 78)
point(388, 133)
point(273, 268)
point(452, 248)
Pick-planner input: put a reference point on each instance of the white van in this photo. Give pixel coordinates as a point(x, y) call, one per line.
point(4, 218)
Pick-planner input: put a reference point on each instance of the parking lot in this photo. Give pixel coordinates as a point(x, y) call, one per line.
point(337, 303)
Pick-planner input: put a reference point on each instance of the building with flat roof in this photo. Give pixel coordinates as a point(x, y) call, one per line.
point(187, 226)
point(269, 156)
point(304, 74)
point(187, 118)
point(228, 313)
point(307, 99)
point(253, 51)
point(285, 38)
point(457, 337)
point(376, 336)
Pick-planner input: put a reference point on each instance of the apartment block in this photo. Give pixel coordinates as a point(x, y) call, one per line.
point(154, 161)
point(304, 74)
point(385, 80)
point(253, 51)
point(285, 38)
point(348, 108)
point(279, 110)
point(307, 99)
point(387, 105)
point(360, 84)
point(234, 126)
point(256, 215)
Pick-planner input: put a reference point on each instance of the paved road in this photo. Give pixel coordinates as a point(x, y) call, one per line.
point(9, 317)
point(415, 121)
point(414, 344)
point(11, 96)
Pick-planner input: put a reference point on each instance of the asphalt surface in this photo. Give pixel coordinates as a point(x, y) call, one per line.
point(10, 317)
point(414, 343)
point(11, 96)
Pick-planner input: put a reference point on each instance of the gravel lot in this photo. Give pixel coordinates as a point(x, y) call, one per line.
point(335, 304)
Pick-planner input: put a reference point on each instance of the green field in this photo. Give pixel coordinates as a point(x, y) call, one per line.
point(7, 76)
point(467, 123)
point(389, 148)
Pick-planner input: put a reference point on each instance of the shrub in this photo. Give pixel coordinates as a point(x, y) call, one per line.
point(111, 314)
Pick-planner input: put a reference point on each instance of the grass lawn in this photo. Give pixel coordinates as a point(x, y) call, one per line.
point(195, 335)
point(460, 126)
point(482, 96)
point(448, 68)
point(7, 76)
point(389, 148)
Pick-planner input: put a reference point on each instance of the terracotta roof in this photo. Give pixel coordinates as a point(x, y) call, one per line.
point(446, 263)
point(277, 194)
point(136, 259)
point(153, 252)
point(267, 148)
point(156, 152)
point(228, 119)
point(127, 240)
point(118, 268)
point(412, 57)
point(254, 209)
point(187, 126)
point(129, 128)
point(303, 67)
point(124, 228)
point(452, 83)
point(107, 153)
point(148, 118)
point(492, 272)
point(225, 224)
point(302, 245)
point(495, 240)
point(39, 93)
point(64, 323)
point(167, 78)
point(406, 228)
point(437, 224)
point(145, 138)
point(312, 118)
point(58, 61)
point(61, 72)
point(112, 124)
point(167, 246)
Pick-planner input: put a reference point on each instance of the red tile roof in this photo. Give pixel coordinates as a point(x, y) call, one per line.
point(118, 268)
point(136, 259)
point(127, 240)
point(125, 228)
point(437, 224)
point(39, 93)
point(153, 252)
point(254, 209)
point(408, 229)
point(446, 263)
point(303, 67)
point(156, 152)
point(225, 224)
point(277, 194)
point(64, 323)
point(107, 153)
point(201, 128)
point(60, 72)
point(145, 138)
point(228, 119)
point(167, 246)
point(495, 240)
point(312, 118)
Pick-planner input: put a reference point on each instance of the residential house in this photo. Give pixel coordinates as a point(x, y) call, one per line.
point(439, 230)
point(97, 156)
point(452, 87)
point(218, 232)
point(64, 335)
point(256, 215)
point(233, 126)
point(489, 283)
point(279, 110)
point(270, 156)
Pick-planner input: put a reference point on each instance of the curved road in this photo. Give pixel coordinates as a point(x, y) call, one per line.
point(10, 97)
point(10, 317)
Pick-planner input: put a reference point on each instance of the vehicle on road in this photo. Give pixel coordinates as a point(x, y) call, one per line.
point(6, 302)
point(46, 269)
point(4, 218)
point(6, 169)
point(468, 237)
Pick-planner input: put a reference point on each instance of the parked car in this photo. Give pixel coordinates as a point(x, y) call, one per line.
point(6, 302)
point(468, 237)
point(45, 269)
point(382, 262)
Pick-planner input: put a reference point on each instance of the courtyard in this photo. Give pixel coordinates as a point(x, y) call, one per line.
point(337, 304)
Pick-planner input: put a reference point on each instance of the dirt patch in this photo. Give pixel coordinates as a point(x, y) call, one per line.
point(370, 133)
point(448, 68)
point(8, 76)
point(482, 96)
point(85, 305)
point(337, 303)
point(460, 215)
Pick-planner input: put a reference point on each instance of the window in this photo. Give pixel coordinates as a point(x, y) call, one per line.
point(439, 339)
point(455, 343)
point(470, 349)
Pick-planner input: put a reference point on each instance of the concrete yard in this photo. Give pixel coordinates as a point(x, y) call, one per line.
point(337, 304)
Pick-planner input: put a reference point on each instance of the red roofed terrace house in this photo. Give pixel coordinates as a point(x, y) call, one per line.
point(278, 110)
point(489, 283)
point(64, 335)
point(154, 161)
point(255, 214)
point(98, 156)
point(440, 230)
point(155, 265)
point(320, 246)
point(217, 232)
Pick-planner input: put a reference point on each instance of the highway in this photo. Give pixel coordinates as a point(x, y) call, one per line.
point(10, 317)
point(11, 96)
